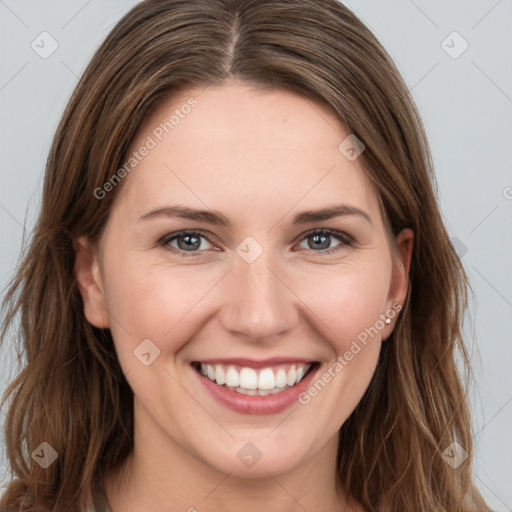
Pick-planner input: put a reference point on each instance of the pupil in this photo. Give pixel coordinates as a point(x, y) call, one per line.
point(191, 242)
point(317, 239)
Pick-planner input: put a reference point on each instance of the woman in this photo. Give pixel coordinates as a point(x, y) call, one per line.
point(240, 292)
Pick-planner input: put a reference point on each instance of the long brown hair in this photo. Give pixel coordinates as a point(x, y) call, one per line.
point(71, 391)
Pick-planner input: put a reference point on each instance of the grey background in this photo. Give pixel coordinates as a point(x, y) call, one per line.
point(466, 104)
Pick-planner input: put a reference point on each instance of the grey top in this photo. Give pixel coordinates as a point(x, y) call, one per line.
point(100, 500)
point(101, 504)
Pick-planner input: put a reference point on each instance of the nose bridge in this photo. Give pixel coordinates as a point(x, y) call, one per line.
point(260, 305)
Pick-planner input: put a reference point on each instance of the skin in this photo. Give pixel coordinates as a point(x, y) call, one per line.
point(259, 157)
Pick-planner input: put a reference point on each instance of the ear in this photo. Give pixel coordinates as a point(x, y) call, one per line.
point(400, 274)
point(87, 272)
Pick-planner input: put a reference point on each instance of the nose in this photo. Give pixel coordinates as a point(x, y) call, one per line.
point(259, 303)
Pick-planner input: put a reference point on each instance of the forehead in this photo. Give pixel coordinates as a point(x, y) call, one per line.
point(235, 147)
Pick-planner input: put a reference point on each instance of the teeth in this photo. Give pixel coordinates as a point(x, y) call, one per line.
point(266, 379)
point(291, 377)
point(232, 377)
point(249, 382)
point(247, 391)
point(261, 392)
point(248, 378)
point(220, 376)
point(280, 378)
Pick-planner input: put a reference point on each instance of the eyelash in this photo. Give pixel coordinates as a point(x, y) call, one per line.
point(346, 241)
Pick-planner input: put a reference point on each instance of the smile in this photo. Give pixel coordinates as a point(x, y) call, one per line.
point(255, 387)
point(251, 381)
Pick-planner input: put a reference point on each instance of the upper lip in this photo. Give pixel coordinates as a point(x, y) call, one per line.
point(255, 363)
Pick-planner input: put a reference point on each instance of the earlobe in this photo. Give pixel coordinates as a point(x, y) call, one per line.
point(90, 284)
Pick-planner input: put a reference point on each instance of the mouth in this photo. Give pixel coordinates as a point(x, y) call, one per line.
point(255, 381)
point(251, 387)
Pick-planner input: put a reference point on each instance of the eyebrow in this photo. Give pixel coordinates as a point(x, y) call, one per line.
point(216, 218)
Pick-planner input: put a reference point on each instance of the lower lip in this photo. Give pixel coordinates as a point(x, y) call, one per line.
point(257, 404)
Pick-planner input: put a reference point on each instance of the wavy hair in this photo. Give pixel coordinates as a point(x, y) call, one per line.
point(71, 391)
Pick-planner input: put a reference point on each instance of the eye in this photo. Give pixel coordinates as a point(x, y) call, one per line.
point(322, 238)
point(187, 242)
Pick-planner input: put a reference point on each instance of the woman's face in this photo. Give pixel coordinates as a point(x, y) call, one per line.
point(208, 264)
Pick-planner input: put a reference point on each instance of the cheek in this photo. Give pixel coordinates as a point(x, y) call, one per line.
point(347, 302)
point(148, 301)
